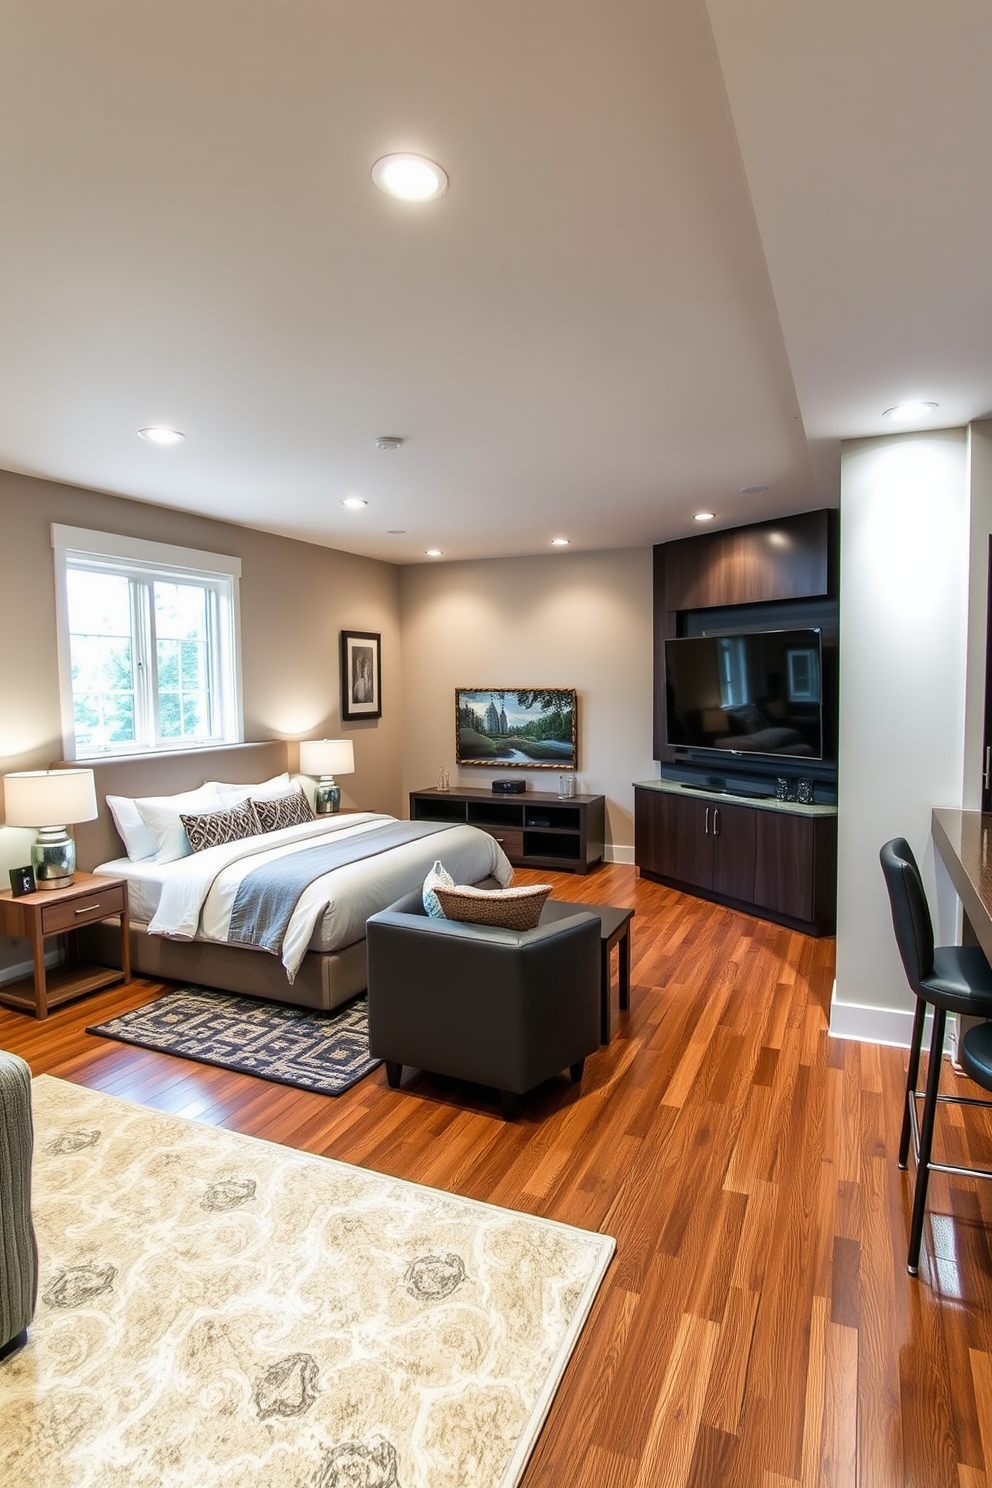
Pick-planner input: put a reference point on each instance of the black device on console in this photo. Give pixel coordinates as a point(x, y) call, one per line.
point(509, 787)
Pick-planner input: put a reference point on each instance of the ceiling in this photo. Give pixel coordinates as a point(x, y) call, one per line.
point(686, 248)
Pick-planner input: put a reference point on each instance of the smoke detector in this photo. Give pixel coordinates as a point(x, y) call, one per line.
point(388, 441)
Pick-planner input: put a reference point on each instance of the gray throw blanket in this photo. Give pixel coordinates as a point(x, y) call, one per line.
point(267, 896)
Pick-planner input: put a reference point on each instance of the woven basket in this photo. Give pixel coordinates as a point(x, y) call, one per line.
point(509, 909)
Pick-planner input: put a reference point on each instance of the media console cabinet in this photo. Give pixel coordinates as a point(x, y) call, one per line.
point(775, 859)
point(535, 829)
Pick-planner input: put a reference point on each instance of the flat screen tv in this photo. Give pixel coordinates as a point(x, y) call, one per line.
point(756, 693)
point(533, 728)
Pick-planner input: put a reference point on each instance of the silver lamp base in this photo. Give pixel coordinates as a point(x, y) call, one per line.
point(53, 858)
point(326, 796)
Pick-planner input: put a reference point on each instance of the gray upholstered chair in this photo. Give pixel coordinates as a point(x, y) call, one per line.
point(18, 1251)
point(503, 1008)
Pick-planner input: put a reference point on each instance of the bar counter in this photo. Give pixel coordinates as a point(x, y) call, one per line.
point(963, 840)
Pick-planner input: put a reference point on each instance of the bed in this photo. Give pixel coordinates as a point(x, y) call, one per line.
point(321, 960)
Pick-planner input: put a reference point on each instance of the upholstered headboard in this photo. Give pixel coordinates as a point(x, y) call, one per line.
point(164, 774)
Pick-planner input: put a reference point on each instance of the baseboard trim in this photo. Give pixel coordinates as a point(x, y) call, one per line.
point(25, 969)
point(619, 853)
point(880, 1025)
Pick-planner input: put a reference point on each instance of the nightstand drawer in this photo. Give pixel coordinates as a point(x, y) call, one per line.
point(82, 910)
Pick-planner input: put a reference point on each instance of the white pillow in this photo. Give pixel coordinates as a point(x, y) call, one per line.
point(437, 878)
point(268, 790)
point(161, 815)
point(137, 839)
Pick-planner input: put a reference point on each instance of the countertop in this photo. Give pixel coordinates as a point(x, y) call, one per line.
point(963, 840)
point(728, 798)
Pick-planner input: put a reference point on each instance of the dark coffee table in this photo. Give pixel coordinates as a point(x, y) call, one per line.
point(614, 931)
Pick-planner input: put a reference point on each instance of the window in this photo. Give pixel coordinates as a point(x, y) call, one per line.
point(732, 664)
point(148, 646)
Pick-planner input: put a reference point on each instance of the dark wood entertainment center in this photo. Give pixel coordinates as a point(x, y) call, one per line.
point(534, 828)
point(711, 825)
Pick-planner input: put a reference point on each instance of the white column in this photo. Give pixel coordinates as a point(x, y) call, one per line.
point(905, 593)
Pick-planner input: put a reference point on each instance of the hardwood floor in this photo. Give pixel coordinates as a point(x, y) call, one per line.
point(757, 1328)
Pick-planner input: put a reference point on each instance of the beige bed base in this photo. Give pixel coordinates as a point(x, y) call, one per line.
point(323, 980)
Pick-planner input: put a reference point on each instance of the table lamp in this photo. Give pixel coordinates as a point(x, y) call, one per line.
point(326, 758)
point(50, 800)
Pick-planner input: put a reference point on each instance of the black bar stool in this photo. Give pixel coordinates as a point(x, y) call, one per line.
point(950, 979)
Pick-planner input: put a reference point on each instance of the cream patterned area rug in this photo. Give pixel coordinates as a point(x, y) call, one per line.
point(217, 1310)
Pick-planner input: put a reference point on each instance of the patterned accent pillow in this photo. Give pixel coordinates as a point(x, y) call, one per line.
point(510, 909)
point(285, 811)
point(437, 878)
point(214, 828)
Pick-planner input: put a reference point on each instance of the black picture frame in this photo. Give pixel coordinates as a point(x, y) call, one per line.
point(361, 675)
point(514, 728)
point(22, 881)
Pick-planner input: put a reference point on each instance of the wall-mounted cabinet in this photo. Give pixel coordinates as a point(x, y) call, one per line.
point(779, 575)
point(791, 558)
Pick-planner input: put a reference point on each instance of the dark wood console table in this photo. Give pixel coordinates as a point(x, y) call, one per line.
point(535, 828)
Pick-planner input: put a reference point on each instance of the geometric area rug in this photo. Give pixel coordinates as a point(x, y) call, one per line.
point(216, 1310)
point(304, 1047)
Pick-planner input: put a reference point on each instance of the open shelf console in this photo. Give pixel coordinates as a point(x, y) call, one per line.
point(535, 829)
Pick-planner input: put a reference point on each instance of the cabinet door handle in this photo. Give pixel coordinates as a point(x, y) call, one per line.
point(988, 752)
point(706, 822)
point(716, 821)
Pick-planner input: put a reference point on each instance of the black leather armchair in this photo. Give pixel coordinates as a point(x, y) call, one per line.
point(500, 1007)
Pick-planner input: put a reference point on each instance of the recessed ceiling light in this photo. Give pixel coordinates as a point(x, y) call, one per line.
point(410, 177)
point(704, 516)
point(354, 503)
point(388, 442)
point(560, 542)
point(157, 434)
point(752, 490)
point(906, 413)
point(433, 552)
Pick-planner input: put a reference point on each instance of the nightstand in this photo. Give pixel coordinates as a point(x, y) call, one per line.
point(48, 912)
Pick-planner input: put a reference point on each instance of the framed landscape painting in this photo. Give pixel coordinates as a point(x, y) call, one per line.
point(361, 674)
point(530, 728)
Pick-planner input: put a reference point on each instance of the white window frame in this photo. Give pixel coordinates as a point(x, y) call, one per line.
point(220, 573)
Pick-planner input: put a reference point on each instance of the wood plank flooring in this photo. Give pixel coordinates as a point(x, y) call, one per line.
point(757, 1328)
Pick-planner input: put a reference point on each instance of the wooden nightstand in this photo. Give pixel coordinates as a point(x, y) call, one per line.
point(58, 912)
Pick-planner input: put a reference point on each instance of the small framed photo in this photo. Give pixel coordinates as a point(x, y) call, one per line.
point(22, 881)
point(361, 675)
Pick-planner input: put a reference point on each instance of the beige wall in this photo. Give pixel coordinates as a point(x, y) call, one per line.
point(578, 620)
point(295, 598)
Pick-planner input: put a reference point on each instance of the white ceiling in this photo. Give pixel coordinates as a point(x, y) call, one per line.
point(686, 248)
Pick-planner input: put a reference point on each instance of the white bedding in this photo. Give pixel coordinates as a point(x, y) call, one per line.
point(192, 898)
point(145, 881)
